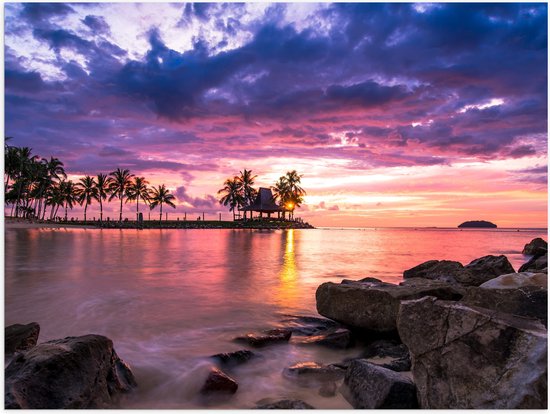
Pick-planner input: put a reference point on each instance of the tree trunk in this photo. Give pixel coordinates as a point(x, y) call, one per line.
point(85, 208)
point(160, 212)
point(100, 210)
point(120, 217)
point(65, 211)
point(137, 208)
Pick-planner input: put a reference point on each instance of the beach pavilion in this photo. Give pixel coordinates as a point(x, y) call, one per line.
point(264, 203)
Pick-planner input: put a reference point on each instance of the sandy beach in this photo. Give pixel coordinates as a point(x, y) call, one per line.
point(27, 224)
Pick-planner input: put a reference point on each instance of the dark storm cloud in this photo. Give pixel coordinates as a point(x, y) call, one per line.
point(23, 81)
point(40, 12)
point(97, 24)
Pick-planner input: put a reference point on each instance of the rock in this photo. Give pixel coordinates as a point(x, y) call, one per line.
point(385, 348)
point(372, 306)
point(486, 268)
point(517, 280)
point(370, 386)
point(328, 389)
point(286, 405)
point(231, 359)
point(75, 372)
point(444, 270)
point(21, 337)
point(536, 264)
point(473, 274)
point(527, 301)
point(340, 338)
point(312, 372)
point(219, 382)
point(399, 365)
point(270, 337)
point(473, 358)
point(308, 325)
point(536, 247)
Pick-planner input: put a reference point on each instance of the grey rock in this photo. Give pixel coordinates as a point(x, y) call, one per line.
point(219, 382)
point(399, 365)
point(75, 372)
point(370, 386)
point(286, 405)
point(231, 359)
point(536, 246)
point(527, 301)
point(340, 338)
point(444, 270)
point(20, 337)
point(270, 337)
point(310, 372)
point(473, 358)
point(485, 268)
point(373, 306)
point(328, 389)
point(517, 280)
point(536, 264)
point(385, 348)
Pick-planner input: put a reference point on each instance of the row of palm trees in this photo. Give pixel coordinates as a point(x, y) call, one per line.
point(33, 184)
point(238, 191)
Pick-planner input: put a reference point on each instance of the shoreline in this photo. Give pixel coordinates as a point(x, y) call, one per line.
point(11, 223)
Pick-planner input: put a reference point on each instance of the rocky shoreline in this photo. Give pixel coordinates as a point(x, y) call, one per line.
point(449, 336)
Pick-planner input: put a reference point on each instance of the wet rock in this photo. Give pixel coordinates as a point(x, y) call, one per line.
point(340, 338)
point(385, 348)
point(231, 359)
point(328, 389)
point(21, 337)
point(75, 372)
point(286, 405)
point(472, 358)
point(308, 325)
point(370, 386)
point(219, 382)
point(373, 306)
point(536, 264)
point(473, 274)
point(527, 301)
point(486, 268)
point(312, 372)
point(443, 270)
point(399, 365)
point(517, 280)
point(272, 336)
point(536, 247)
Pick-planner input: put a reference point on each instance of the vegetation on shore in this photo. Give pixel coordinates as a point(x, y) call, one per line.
point(33, 184)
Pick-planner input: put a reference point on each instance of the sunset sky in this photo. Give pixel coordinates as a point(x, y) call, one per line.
point(395, 114)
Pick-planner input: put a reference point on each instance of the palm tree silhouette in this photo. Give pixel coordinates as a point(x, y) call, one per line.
point(86, 191)
point(120, 183)
point(246, 180)
point(289, 192)
point(103, 185)
point(232, 194)
point(68, 194)
point(281, 192)
point(161, 195)
point(138, 189)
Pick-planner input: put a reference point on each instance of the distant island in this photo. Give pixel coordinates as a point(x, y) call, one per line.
point(477, 224)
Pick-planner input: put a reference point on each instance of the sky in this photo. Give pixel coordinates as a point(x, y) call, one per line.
point(396, 114)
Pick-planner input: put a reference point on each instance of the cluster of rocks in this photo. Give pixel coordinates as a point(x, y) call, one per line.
point(473, 336)
point(74, 372)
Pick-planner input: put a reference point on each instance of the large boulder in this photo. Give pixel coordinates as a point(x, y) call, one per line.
point(536, 246)
point(473, 274)
point(486, 268)
point(20, 337)
point(373, 305)
point(75, 372)
point(370, 386)
point(517, 280)
point(537, 263)
point(467, 357)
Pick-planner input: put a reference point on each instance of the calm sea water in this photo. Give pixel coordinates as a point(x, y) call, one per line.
point(171, 298)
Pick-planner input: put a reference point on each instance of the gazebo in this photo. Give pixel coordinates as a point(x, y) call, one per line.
point(264, 203)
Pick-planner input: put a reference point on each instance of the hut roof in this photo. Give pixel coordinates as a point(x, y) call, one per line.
point(264, 202)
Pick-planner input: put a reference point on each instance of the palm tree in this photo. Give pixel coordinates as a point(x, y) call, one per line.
point(69, 195)
point(121, 182)
point(102, 185)
point(281, 192)
point(161, 195)
point(232, 195)
point(297, 193)
point(138, 189)
point(246, 180)
point(86, 190)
